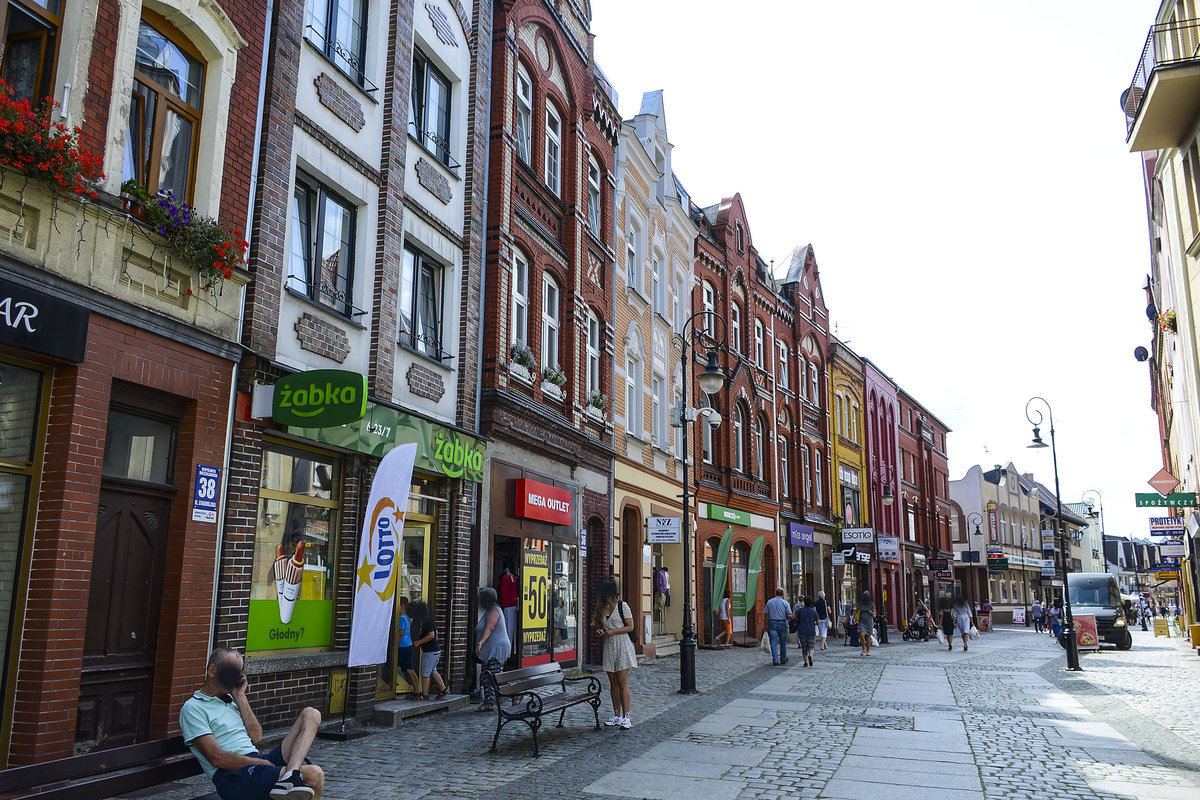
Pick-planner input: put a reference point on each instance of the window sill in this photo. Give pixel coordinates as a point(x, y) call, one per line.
point(636, 437)
point(408, 348)
point(363, 90)
point(521, 373)
point(632, 292)
point(552, 390)
point(329, 312)
point(443, 166)
point(594, 413)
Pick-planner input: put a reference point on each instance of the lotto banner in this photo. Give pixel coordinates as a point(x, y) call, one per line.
point(378, 557)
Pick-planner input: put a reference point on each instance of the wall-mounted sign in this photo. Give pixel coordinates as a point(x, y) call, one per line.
point(1168, 564)
point(1163, 482)
point(1174, 548)
point(889, 549)
point(1048, 570)
point(1173, 500)
point(320, 398)
point(839, 560)
point(939, 563)
point(863, 558)
point(858, 535)
point(536, 500)
point(800, 535)
point(1167, 575)
point(35, 321)
point(664, 530)
point(993, 526)
point(204, 496)
point(729, 515)
point(1163, 526)
point(440, 450)
point(997, 562)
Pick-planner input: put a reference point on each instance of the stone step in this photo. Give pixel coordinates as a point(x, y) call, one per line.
point(391, 713)
point(666, 645)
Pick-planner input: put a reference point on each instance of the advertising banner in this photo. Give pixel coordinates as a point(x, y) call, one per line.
point(1085, 632)
point(1174, 548)
point(721, 570)
point(889, 549)
point(378, 558)
point(1018, 616)
point(1162, 526)
point(1173, 500)
point(993, 525)
point(204, 496)
point(756, 552)
point(535, 602)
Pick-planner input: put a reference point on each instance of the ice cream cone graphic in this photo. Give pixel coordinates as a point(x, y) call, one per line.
point(288, 572)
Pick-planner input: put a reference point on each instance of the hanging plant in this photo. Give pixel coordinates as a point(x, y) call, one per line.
point(1167, 321)
point(48, 152)
point(207, 245)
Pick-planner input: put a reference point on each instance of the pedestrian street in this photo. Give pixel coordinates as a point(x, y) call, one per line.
point(913, 720)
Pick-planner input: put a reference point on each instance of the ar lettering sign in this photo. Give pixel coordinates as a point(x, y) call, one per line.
point(320, 398)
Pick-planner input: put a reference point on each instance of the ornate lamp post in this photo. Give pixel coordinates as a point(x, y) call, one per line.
point(1068, 631)
point(886, 473)
point(711, 380)
point(977, 518)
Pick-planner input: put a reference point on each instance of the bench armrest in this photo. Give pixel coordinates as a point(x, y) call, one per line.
point(593, 682)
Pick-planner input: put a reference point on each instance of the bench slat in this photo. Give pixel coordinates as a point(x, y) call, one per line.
point(557, 703)
point(528, 672)
point(515, 687)
point(65, 769)
point(110, 785)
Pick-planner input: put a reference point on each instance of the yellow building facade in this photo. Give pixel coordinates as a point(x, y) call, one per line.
point(848, 479)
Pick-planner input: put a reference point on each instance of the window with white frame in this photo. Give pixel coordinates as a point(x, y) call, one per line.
point(706, 432)
point(708, 297)
point(553, 150)
point(806, 453)
point(524, 116)
point(658, 285)
point(549, 322)
point(784, 476)
point(635, 261)
point(735, 327)
point(593, 355)
point(760, 448)
point(675, 291)
point(593, 195)
point(740, 238)
point(802, 376)
point(760, 336)
point(658, 411)
point(912, 524)
point(338, 28)
point(421, 303)
point(633, 396)
point(854, 437)
point(839, 427)
point(784, 382)
point(739, 440)
point(520, 298)
point(814, 384)
point(818, 479)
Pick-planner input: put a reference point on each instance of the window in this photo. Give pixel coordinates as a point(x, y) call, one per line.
point(706, 435)
point(553, 150)
point(803, 376)
point(339, 29)
point(593, 355)
point(297, 521)
point(912, 524)
point(421, 303)
point(675, 290)
point(784, 475)
point(783, 367)
point(164, 112)
point(633, 396)
point(658, 286)
point(839, 422)
point(658, 411)
point(708, 297)
point(1003, 527)
point(739, 440)
point(30, 46)
point(760, 336)
point(806, 451)
point(634, 260)
point(524, 116)
point(814, 386)
point(593, 195)
point(429, 112)
point(322, 258)
point(549, 322)
point(520, 299)
point(818, 480)
point(854, 424)
point(760, 449)
point(740, 237)
point(735, 327)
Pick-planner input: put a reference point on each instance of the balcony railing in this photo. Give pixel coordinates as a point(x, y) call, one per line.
point(1167, 44)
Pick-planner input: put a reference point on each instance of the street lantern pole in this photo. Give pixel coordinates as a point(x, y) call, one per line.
point(886, 498)
point(978, 519)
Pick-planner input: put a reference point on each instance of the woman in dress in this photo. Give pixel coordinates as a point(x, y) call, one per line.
point(613, 622)
point(866, 621)
point(822, 607)
point(962, 620)
point(491, 642)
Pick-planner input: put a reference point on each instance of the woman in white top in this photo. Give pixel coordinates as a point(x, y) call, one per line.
point(726, 624)
point(613, 622)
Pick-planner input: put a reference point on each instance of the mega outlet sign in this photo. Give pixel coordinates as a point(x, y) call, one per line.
point(539, 501)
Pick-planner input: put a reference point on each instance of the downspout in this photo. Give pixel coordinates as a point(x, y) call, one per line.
point(235, 372)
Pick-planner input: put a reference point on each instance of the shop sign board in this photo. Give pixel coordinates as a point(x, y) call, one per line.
point(1166, 526)
point(1163, 482)
point(204, 495)
point(800, 535)
point(583, 542)
point(938, 563)
point(1172, 564)
point(1048, 570)
point(440, 450)
point(32, 320)
point(1173, 500)
point(997, 562)
point(993, 525)
point(889, 549)
point(540, 501)
point(730, 515)
point(664, 530)
point(858, 535)
point(1167, 575)
point(320, 398)
point(863, 558)
point(945, 575)
point(1086, 635)
point(535, 601)
point(839, 560)
point(1173, 548)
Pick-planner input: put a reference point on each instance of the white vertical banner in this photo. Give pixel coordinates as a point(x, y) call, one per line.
point(379, 557)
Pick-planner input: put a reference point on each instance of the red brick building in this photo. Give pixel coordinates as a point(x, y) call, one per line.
point(547, 334)
point(117, 372)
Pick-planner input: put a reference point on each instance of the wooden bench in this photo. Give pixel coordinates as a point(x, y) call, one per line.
point(94, 776)
point(530, 693)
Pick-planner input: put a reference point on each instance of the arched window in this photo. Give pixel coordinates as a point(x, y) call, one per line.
point(784, 475)
point(553, 150)
point(520, 298)
point(549, 322)
point(740, 554)
point(524, 116)
point(760, 336)
point(739, 440)
point(593, 356)
point(710, 549)
point(760, 448)
point(708, 297)
point(735, 327)
point(634, 393)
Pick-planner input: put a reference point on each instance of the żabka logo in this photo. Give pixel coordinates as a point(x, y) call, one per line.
point(455, 457)
point(320, 398)
point(314, 399)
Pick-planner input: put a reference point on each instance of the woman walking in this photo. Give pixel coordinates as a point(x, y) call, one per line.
point(492, 645)
point(962, 620)
point(613, 622)
point(948, 625)
point(806, 630)
point(822, 608)
point(866, 621)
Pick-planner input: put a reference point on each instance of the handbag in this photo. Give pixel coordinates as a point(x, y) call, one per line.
point(621, 610)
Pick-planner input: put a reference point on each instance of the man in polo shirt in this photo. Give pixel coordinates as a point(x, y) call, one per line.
point(223, 733)
point(778, 613)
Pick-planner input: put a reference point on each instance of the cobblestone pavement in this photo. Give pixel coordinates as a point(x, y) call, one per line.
point(1003, 720)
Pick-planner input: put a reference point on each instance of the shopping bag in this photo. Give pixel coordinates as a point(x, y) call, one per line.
point(974, 632)
point(765, 644)
point(941, 636)
point(874, 641)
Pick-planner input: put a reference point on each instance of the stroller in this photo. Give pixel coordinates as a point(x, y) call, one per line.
point(918, 629)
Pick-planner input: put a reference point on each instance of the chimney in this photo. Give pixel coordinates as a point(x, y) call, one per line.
point(1027, 475)
point(998, 466)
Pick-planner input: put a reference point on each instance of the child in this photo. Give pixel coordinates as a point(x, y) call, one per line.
point(431, 651)
point(404, 648)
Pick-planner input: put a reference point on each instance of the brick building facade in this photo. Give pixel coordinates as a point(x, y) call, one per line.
point(924, 500)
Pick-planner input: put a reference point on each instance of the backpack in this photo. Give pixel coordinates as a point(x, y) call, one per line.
point(621, 611)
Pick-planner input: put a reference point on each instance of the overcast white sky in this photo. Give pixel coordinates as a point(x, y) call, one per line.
point(960, 169)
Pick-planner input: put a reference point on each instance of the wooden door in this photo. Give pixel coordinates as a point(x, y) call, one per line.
point(117, 680)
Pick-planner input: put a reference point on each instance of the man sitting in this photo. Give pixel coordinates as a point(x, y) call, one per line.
point(223, 733)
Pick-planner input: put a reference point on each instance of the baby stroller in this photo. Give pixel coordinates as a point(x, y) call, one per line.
point(917, 629)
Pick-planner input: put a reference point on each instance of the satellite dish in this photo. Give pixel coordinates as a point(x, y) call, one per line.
point(1141, 353)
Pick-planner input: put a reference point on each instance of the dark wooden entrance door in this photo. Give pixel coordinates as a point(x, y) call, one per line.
point(117, 681)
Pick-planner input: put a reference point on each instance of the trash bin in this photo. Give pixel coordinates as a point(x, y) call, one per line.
point(1194, 632)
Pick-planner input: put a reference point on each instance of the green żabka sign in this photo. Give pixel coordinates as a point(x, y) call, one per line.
point(320, 398)
point(440, 450)
point(1173, 500)
point(724, 514)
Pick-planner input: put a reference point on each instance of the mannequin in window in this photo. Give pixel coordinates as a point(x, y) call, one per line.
point(509, 597)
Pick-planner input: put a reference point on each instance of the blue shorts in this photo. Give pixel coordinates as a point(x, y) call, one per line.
point(404, 658)
point(250, 783)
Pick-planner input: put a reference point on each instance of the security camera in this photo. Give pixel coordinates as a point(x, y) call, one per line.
point(713, 418)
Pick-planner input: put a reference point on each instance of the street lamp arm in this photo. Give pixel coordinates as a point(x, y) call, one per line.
point(1040, 416)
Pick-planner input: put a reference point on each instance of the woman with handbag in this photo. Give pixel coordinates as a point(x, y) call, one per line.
point(613, 622)
point(492, 645)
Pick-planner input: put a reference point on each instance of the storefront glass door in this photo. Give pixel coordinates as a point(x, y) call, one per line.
point(416, 583)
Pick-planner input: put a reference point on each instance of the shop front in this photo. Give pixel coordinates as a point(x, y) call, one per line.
point(802, 556)
point(751, 578)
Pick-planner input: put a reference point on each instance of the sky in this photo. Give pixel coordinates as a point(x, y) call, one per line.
point(960, 169)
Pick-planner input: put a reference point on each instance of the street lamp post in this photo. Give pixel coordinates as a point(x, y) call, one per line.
point(711, 380)
point(888, 474)
point(1092, 515)
point(978, 519)
point(1068, 631)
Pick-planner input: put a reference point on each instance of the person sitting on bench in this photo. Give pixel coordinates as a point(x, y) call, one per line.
point(221, 730)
